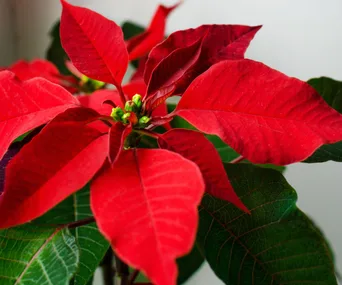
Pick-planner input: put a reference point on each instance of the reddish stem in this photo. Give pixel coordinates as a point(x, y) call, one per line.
point(122, 95)
point(238, 159)
point(133, 277)
point(148, 133)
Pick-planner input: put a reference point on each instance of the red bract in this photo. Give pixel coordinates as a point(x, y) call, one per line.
point(99, 51)
point(260, 112)
point(153, 209)
point(42, 68)
point(141, 45)
point(192, 145)
point(145, 200)
point(27, 105)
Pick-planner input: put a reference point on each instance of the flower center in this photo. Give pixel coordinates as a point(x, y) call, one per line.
point(132, 113)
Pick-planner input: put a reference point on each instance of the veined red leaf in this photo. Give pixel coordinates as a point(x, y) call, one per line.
point(27, 105)
point(117, 135)
point(146, 205)
point(196, 147)
point(58, 161)
point(170, 73)
point(94, 44)
point(142, 44)
point(261, 113)
point(220, 42)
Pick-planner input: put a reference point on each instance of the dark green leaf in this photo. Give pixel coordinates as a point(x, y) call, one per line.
point(189, 264)
point(55, 52)
point(331, 91)
point(276, 244)
point(35, 255)
point(131, 29)
point(91, 243)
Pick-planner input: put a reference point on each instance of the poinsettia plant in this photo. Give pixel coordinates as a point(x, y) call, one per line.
point(95, 171)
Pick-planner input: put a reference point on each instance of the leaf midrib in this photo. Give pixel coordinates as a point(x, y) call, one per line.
point(36, 255)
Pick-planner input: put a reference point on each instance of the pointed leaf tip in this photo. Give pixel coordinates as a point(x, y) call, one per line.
point(153, 210)
point(287, 118)
point(94, 44)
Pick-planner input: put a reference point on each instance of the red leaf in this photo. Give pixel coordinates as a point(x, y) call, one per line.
point(261, 113)
point(138, 75)
point(94, 44)
point(61, 159)
point(194, 146)
point(27, 105)
point(170, 73)
point(96, 99)
point(134, 87)
point(141, 44)
point(42, 68)
point(117, 135)
point(220, 42)
point(146, 205)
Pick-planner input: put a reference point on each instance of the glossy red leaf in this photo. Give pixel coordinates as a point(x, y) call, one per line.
point(117, 135)
point(94, 44)
point(261, 113)
point(142, 44)
point(27, 105)
point(60, 160)
point(195, 146)
point(146, 205)
point(220, 42)
point(170, 73)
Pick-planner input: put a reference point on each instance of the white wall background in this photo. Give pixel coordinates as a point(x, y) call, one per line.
point(300, 38)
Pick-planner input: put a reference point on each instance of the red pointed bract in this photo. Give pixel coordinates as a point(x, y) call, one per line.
point(58, 161)
point(94, 44)
point(117, 135)
point(261, 113)
point(195, 146)
point(146, 205)
point(27, 105)
point(219, 42)
point(142, 44)
point(170, 73)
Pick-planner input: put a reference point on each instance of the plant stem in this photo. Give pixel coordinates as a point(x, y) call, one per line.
point(148, 133)
point(238, 159)
point(108, 268)
point(122, 95)
point(133, 277)
point(80, 223)
point(122, 270)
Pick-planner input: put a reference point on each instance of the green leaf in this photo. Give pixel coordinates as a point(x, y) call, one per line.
point(276, 244)
point(92, 245)
point(36, 255)
point(189, 264)
point(331, 92)
point(131, 29)
point(55, 52)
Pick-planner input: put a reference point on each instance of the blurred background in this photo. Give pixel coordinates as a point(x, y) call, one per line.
point(300, 38)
